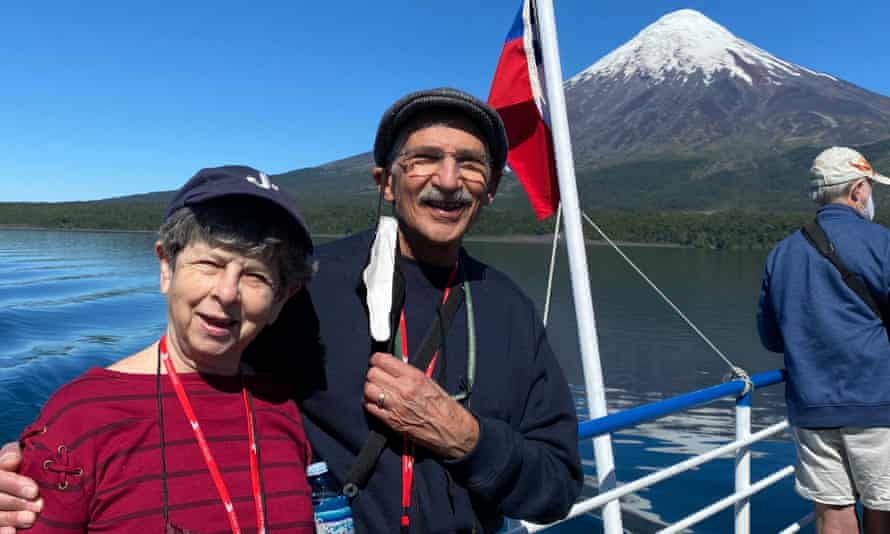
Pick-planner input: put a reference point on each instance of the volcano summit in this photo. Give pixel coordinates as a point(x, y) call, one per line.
point(686, 84)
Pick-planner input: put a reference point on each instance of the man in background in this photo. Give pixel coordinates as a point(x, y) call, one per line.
point(836, 348)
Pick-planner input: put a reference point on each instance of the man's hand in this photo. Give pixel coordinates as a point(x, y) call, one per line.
point(19, 502)
point(408, 401)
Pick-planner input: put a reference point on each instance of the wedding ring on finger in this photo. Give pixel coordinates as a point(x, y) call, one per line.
point(381, 399)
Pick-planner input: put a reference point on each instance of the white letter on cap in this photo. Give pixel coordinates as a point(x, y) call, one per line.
point(263, 182)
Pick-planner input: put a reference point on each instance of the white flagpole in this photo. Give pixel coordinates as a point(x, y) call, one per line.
point(568, 189)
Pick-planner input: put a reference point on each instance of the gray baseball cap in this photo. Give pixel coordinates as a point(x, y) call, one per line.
point(838, 165)
point(447, 100)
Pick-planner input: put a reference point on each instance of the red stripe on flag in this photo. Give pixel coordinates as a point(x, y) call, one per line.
point(531, 145)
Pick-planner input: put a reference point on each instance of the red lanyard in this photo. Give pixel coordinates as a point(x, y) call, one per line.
point(408, 445)
point(205, 448)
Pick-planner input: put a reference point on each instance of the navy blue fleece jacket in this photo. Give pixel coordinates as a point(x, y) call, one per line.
point(525, 464)
point(836, 350)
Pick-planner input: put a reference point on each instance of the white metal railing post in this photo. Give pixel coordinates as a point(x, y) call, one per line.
point(709, 511)
point(601, 499)
point(741, 447)
point(743, 463)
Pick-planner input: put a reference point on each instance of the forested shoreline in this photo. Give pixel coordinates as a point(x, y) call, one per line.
point(718, 230)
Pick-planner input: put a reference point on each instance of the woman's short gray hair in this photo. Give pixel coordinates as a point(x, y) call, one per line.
point(245, 225)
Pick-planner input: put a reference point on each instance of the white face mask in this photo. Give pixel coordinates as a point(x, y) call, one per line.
point(870, 208)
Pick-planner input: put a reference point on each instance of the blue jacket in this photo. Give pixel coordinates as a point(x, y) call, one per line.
point(526, 462)
point(837, 353)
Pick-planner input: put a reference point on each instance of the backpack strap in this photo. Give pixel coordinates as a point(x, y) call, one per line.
point(364, 463)
point(816, 236)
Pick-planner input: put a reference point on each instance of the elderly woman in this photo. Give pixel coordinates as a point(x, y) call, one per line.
point(181, 436)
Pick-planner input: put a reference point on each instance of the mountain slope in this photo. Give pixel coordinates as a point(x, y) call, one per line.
point(686, 85)
point(685, 116)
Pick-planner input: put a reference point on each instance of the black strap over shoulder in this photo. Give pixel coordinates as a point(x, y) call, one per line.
point(816, 236)
point(435, 334)
point(367, 458)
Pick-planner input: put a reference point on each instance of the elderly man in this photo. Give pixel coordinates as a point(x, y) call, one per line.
point(485, 427)
point(837, 354)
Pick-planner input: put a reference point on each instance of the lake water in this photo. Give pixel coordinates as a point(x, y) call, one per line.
point(72, 300)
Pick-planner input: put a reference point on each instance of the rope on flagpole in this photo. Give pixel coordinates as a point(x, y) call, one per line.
point(552, 264)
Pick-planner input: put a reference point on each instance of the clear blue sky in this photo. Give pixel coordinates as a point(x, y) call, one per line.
point(107, 98)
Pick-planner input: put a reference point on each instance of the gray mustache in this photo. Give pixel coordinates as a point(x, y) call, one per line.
point(431, 194)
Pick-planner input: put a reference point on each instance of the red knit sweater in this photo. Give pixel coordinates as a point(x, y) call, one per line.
point(95, 453)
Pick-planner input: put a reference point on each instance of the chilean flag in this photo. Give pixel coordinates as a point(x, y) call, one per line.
point(517, 93)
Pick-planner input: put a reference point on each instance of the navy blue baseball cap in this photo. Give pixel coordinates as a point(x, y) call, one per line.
point(238, 180)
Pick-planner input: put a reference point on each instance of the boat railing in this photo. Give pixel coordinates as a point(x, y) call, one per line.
point(741, 447)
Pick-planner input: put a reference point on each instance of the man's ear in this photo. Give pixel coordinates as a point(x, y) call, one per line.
point(383, 179)
point(857, 192)
point(165, 267)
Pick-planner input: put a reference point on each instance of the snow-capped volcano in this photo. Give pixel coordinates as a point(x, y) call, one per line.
point(685, 116)
point(686, 83)
point(686, 42)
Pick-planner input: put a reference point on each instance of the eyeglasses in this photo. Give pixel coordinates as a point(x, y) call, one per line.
point(472, 166)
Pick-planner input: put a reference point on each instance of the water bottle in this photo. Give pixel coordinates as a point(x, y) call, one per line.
point(331, 507)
